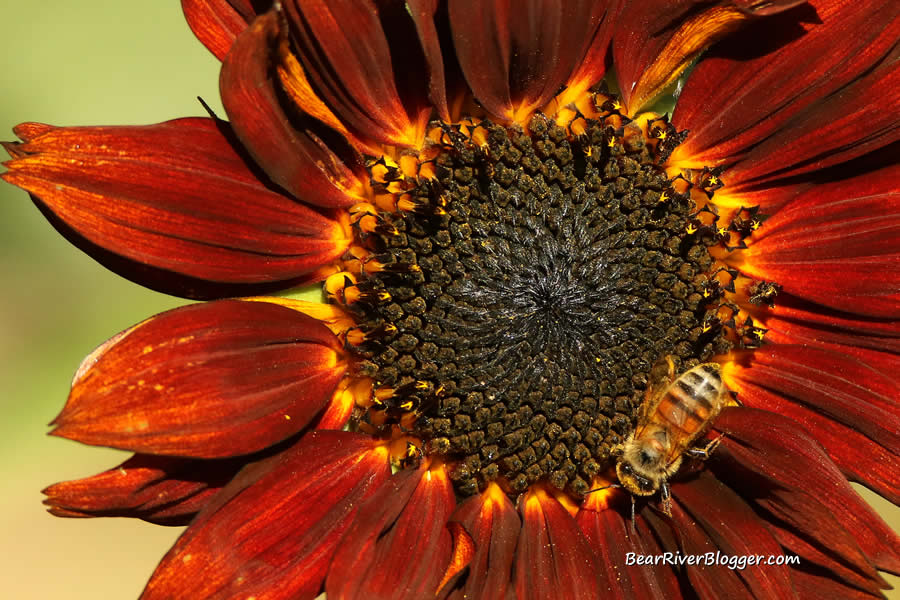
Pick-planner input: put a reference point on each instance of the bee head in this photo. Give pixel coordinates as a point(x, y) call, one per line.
point(635, 482)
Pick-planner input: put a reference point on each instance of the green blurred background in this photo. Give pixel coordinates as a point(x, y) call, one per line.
point(91, 62)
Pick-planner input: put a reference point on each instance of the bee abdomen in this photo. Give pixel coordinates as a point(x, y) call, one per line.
point(691, 401)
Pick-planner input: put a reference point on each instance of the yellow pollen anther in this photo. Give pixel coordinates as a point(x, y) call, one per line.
point(691, 228)
point(663, 197)
point(713, 180)
point(612, 142)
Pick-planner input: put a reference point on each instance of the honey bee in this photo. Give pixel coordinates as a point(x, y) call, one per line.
point(669, 421)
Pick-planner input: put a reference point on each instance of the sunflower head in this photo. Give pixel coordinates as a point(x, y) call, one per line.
point(560, 327)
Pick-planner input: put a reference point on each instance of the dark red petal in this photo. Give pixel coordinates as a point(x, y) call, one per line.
point(346, 55)
point(423, 15)
point(163, 490)
point(617, 547)
point(400, 546)
point(837, 245)
point(206, 380)
point(753, 83)
point(176, 197)
point(217, 23)
point(794, 321)
point(848, 405)
point(842, 387)
point(272, 532)
point(492, 521)
point(516, 56)
point(655, 40)
point(774, 464)
point(297, 160)
point(735, 531)
point(694, 540)
point(593, 66)
point(553, 557)
point(815, 584)
point(859, 119)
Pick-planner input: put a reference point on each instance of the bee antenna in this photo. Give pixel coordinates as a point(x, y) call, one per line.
point(605, 487)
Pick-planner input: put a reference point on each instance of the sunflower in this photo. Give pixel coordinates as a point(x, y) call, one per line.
point(523, 258)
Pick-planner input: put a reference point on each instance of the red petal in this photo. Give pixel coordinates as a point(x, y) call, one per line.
point(793, 321)
point(822, 584)
point(655, 40)
point(553, 557)
point(272, 532)
point(167, 491)
point(593, 66)
point(346, 55)
point(217, 23)
point(207, 380)
point(774, 464)
point(492, 521)
point(400, 546)
point(617, 546)
point(695, 541)
point(735, 530)
point(175, 198)
point(295, 159)
point(837, 245)
point(850, 123)
point(516, 56)
point(752, 84)
point(841, 387)
point(423, 15)
point(848, 406)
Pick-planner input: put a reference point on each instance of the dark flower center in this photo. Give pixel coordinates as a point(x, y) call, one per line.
point(527, 297)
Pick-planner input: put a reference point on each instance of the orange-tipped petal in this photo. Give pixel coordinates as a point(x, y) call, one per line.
point(553, 557)
point(516, 55)
point(617, 544)
point(837, 244)
point(755, 82)
point(656, 40)
point(158, 489)
point(494, 525)
point(296, 159)
point(345, 51)
point(272, 532)
point(848, 403)
point(207, 380)
point(173, 206)
point(400, 546)
point(217, 23)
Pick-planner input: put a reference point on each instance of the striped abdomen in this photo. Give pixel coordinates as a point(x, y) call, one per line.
point(690, 402)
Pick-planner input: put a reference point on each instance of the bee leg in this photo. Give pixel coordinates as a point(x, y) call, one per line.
point(666, 499)
point(704, 452)
point(633, 521)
